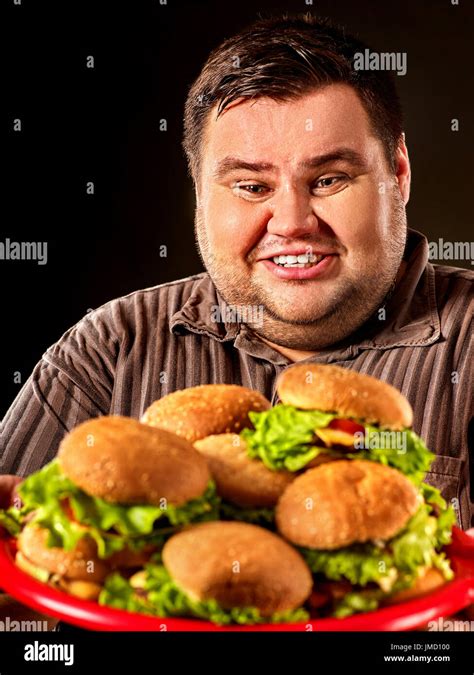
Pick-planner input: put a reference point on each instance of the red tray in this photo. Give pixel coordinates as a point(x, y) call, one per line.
point(444, 602)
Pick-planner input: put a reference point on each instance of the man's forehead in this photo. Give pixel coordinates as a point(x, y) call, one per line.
point(314, 124)
point(231, 163)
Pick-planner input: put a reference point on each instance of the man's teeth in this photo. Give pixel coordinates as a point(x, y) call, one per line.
point(297, 260)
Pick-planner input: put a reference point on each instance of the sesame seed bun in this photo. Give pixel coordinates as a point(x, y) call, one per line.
point(197, 412)
point(346, 392)
point(346, 502)
point(238, 565)
point(122, 461)
point(81, 563)
point(239, 479)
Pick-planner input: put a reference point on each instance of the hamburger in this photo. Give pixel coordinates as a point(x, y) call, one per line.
point(367, 535)
point(208, 409)
point(248, 490)
point(116, 491)
point(78, 571)
point(226, 572)
point(328, 413)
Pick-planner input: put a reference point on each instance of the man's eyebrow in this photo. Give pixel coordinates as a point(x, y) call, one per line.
point(338, 155)
point(229, 164)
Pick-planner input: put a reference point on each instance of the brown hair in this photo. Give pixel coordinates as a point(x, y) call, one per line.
point(284, 58)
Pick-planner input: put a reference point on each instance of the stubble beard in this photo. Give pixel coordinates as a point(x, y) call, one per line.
point(349, 304)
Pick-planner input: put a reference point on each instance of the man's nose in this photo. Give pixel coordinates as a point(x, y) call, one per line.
point(292, 214)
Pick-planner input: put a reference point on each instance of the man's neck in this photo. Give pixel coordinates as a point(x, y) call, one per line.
point(295, 355)
point(291, 354)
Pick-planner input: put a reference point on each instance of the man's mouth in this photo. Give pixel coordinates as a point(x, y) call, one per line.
point(300, 267)
point(302, 260)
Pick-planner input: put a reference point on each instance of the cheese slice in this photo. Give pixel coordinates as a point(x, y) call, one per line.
point(335, 437)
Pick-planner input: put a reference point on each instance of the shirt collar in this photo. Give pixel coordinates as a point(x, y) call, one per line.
point(410, 317)
point(205, 312)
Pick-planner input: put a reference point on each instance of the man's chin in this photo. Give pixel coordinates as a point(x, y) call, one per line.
point(295, 316)
point(313, 327)
point(300, 306)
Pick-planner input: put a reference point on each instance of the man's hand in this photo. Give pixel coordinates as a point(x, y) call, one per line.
point(8, 494)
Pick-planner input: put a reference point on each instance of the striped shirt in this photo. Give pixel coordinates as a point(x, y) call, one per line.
point(135, 349)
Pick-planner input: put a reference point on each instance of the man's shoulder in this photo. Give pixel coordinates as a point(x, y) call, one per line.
point(187, 283)
point(454, 291)
point(167, 297)
point(454, 286)
point(105, 325)
point(454, 274)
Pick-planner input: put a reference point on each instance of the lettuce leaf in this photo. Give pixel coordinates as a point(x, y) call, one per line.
point(283, 438)
point(133, 520)
point(112, 526)
point(433, 496)
point(165, 599)
point(446, 516)
point(355, 602)
point(65, 533)
point(414, 460)
point(360, 564)
point(11, 520)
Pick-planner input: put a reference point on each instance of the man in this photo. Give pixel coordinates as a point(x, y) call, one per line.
point(302, 176)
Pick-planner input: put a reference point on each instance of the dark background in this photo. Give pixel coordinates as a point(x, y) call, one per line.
point(102, 125)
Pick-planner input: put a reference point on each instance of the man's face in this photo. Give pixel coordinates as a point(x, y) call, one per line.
point(301, 178)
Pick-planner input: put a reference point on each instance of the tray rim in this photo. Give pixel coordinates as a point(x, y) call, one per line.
point(451, 598)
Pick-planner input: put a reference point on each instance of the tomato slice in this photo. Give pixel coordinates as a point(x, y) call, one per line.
point(67, 508)
point(348, 426)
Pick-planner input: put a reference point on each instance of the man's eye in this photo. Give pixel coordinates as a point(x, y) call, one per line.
point(329, 182)
point(253, 189)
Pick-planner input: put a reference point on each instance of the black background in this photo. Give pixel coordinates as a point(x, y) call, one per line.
point(277, 652)
point(103, 125)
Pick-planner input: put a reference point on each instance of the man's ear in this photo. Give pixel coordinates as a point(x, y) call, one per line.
point(403, 171)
